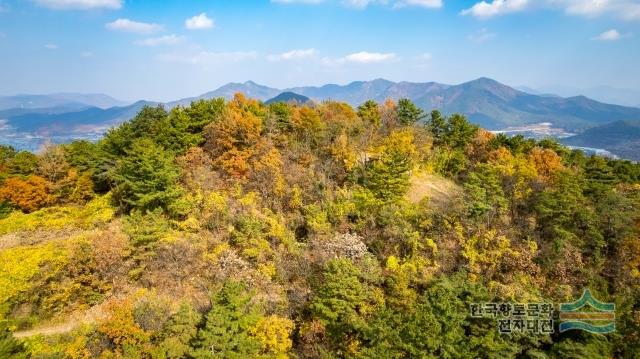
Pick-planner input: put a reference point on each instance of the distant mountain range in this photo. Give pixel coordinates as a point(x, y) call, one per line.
point(70, 101)
point(249, 88)
point(290, 97)
point(621, 138)
point(607, 94)
point(484, 101)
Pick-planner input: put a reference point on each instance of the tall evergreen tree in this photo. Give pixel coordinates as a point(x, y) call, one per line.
point(437, 125)
point(176, 335)
point(387, 176)
point(146, 177)
point(408, 112)
point(226, 333)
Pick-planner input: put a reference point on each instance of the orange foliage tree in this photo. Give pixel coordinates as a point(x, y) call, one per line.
point(231, 139)
point(546, 161)
point(27, 194)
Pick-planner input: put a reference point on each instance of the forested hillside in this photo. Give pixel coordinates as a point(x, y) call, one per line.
point(235, 229)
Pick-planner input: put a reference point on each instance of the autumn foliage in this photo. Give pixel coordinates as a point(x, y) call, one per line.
point(237, 229)
point(27, 194)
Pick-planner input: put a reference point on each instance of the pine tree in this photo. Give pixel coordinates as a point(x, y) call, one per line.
point(9, 346)
point(176, 132)
point(146, 177)
point(408, 112)
point(459, 132)
point(175, 338)
point(226, 333)
point(437, 125)
point(485, 196)
point(387, 176)
point(23, 163)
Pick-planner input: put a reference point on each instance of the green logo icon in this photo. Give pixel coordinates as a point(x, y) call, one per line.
point(588, 314)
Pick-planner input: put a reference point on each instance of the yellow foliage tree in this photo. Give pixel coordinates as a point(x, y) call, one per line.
point(486, 252)
point(266, 172)
point(308, 125)
point(517, 172)
point(273, 332)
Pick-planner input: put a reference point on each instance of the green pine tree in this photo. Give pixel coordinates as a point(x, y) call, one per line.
point(146, 177)
point(387, 176)
point(408, 112)
point(485, 196)
point(9, 346)
point(226, 330)
point(175, 338)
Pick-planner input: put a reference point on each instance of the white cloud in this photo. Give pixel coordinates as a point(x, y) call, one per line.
point(162, 40)
point(293, 55)
point(86, 54)
point(481, 36)
point(51, 46)
point(586, 7)
point(365, 57)
point(358, 4)
point(199, 22)
point(431, 4)
point(127, 25)
point(630, 11)
point(610, 35)
point(624, 9)
point(207, 57)
point(80, 4)
point(361, 4)
point(485, 9)
point(297, 1)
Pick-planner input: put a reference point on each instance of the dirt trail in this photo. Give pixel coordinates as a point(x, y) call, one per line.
point(75, 320)
point(438, 189)
point(50, 330)
point(30, 238)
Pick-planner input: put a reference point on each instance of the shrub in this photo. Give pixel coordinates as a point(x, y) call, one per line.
point(95, 213)
point(27, 194)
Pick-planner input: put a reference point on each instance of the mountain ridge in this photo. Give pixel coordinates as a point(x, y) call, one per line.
point(61, 99)
point(484, 101)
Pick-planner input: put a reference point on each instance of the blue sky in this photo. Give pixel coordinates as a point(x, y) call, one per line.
point(169, 49)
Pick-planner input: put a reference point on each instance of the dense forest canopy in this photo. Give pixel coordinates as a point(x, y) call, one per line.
point(235, 229)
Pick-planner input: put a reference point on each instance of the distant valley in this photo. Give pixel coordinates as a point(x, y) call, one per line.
point(27, 121)
point(621, 138)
